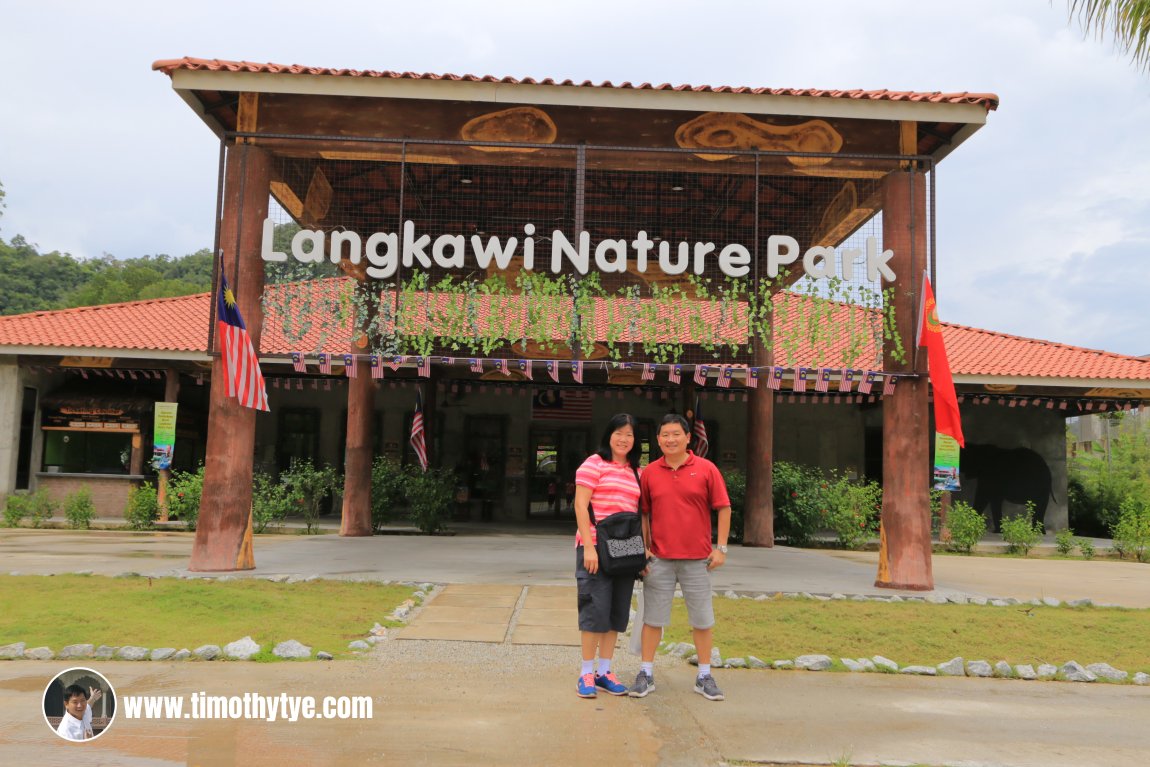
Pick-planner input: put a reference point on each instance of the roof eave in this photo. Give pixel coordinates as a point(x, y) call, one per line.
point(186, 82)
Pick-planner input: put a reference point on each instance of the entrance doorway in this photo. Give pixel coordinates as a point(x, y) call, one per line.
point(555, 453)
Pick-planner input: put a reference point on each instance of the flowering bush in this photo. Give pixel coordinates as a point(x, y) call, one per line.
point(184, 491)
point(800, 502)
point(852, 510)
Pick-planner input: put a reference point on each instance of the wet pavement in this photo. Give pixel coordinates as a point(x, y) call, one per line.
point(441, 702)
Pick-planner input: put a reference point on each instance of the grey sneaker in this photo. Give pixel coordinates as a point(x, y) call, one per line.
point(644, 683)
point(705, 686)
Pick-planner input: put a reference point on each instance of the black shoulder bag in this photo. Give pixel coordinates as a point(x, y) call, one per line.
point(619, 542)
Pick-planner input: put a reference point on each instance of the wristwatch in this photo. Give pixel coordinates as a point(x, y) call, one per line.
point(722, 549)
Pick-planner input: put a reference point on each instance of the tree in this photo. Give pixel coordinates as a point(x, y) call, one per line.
point(1127, 21)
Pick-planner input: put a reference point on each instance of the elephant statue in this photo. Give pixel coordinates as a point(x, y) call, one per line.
point(1015, 474)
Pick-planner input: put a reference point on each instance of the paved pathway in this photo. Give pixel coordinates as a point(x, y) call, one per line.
point(506, 703)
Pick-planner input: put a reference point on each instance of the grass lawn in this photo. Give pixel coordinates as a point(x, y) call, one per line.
point(56, 611)
point(925, 634)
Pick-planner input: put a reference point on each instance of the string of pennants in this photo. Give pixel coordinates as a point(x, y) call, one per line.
point(832, 385)
point(821, 379)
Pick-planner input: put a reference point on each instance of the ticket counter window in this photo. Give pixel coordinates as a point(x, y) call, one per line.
point(79, 452)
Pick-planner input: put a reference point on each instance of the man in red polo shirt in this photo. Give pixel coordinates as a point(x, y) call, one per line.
point(678, 492)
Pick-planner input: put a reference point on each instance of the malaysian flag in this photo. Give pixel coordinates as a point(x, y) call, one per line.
point(702, 444)
point(324, 363)
point(648, 372)
point(376, 366)
point(395, 362)
point(576, 371)
point(424, 370)
point(866, 383)
point(418, 441)
point(350, 365)
point(775, 381)
point(701, 375)
point(752, 378)
point(241, 364)
point(725, 378)
point(525, 369)
point(501, 366)
point(847, 380)
point(675, 374)
point(297, 362)
point(562, 405)
point(553, 370)
point(823, 382)
point(476, 365)
point(800, 384)
point(888, 385)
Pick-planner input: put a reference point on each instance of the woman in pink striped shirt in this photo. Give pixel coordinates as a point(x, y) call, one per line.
point(606, 483)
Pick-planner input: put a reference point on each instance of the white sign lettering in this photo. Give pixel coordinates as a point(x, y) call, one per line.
point(385, 251)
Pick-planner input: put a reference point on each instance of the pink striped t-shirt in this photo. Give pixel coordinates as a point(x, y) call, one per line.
point(613, 489)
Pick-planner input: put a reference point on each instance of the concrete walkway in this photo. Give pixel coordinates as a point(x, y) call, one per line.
point(508, 703)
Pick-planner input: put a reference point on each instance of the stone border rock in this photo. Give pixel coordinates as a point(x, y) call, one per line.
point(1071, 671)
point(244, 649)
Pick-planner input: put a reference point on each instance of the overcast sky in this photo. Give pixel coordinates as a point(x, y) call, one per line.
point(1043, 217)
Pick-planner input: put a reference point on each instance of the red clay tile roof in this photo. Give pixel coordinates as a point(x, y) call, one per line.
point(181, 324)
point(987, 101)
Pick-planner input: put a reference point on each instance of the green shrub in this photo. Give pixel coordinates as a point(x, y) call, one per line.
point(387, 485)
point(1132, 531)
point(142, 509)
point(185, 489)
point(799, 503)
point(312, 485)
point(272, 501)
point(79, 509)
point(737, 491)
point(15, 509)
point(1064, 542)
point(966, 527)
point(1086, 546)
point(41, 507)
point(430, 494)
point(853, 510)
point(1022, 533)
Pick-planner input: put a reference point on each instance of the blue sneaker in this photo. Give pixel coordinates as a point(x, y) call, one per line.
point(609, 683)
point(586, 686)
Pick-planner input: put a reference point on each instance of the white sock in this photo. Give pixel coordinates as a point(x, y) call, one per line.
point(604, 666)
point(648, 668)
point(704, 669)
point(588, 667)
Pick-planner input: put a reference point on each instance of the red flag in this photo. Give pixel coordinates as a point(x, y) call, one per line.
point(946, 416)
point(351, 365)
point(241, 364)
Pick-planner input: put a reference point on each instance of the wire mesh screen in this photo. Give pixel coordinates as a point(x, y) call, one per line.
point(571, 251)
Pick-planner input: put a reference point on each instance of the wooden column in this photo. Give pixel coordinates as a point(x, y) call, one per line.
point(905, 557)
point(223, 531)
point(171, 394)
point(759, 515)
point(356, 517)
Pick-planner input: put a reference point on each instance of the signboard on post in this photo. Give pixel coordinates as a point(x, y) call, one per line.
point(164, 441)
point(945, 462)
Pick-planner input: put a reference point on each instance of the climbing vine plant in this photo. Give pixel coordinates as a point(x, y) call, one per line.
point(829, 323)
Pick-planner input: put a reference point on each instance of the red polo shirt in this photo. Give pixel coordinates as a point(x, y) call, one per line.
point(680, 502)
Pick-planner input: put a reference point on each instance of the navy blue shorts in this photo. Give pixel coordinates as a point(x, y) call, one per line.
point(604, 600)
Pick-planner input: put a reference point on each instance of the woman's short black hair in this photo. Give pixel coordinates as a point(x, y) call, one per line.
point(617, 422)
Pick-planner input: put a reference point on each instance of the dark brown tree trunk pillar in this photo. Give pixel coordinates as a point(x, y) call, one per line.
point(904, 559)
point(356, 518)
point(759, 515)
point(223, 531)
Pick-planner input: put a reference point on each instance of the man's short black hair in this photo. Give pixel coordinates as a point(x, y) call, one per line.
point(72, 690)
point(675, 418)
